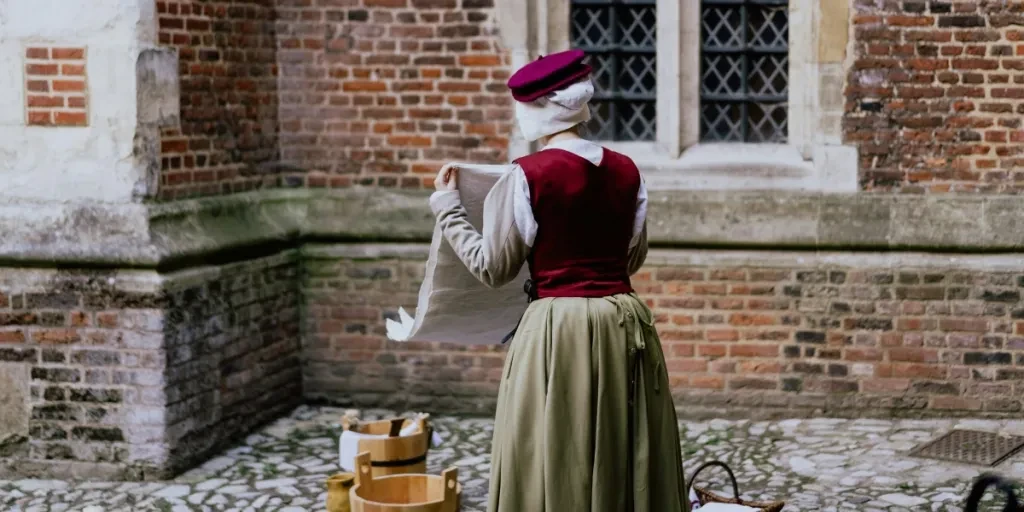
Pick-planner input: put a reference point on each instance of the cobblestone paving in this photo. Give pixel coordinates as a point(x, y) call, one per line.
point(816, 465)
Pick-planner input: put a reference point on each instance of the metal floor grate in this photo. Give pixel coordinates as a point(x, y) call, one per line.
point(971, 447)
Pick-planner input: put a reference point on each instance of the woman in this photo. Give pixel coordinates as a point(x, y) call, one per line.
point(585, 418)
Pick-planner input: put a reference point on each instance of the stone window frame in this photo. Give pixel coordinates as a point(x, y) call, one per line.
point(813, 159)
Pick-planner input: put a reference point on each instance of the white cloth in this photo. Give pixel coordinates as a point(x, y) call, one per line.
point(726, 507)
point(555, 112)
point(585, 149)
point(483, 315)
point(348, 444)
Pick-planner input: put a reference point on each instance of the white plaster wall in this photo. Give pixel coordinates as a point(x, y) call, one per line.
point(92, 163)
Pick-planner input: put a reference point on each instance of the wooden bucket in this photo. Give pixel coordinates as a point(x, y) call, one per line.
point(394, 455)
point(405, 493)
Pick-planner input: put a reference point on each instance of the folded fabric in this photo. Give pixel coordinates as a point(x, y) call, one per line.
point(453, 306)
point(726, 507)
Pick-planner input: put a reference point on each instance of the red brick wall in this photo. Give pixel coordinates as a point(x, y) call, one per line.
point(935, 94)
point(228, 136)
point(56, 93)
point(794, 340)
point(867, 338)
point(346, 356)
point(384, 92)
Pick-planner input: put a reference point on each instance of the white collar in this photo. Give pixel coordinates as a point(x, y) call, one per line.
point(581, 147)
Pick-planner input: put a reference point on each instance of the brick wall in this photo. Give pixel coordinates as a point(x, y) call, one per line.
point(347, 357)
point(840, 338)
point(227, 141)
point(935, 94)
point(139, 378)
point(232, 345)
point(56, 93)
point(82, 363)
point(384, 92)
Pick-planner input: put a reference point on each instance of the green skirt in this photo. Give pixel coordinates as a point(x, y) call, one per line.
point(585, 418)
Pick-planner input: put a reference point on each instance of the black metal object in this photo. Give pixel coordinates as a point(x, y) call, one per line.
point(744, 70)
point(971, 447)
point(619, 37)
point(531, 295)
point(1004, 486)
point(715, 463)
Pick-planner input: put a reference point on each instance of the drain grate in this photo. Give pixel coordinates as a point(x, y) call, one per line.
point(971, 447)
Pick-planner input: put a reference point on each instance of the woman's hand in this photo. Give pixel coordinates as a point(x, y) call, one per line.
point(445, 180)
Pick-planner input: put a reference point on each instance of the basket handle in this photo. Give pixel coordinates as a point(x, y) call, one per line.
point(364, 472)
point(732, 477)
point(992, 480)
point(451, 486)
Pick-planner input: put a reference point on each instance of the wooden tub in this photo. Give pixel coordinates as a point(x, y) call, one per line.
point(394, 455)
point(404, 493)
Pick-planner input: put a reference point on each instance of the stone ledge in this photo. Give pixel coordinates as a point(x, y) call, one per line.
point(175, 234)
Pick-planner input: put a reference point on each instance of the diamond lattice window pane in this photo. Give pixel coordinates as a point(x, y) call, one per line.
point(768, 122)
point(637, 120)
point(769, 27)
point(722, 27)
point(744, 71)
point(721, 122)
point(723, 74)
point(769, 75)
point(638, 75)
point(637, 26)
point(592, 26)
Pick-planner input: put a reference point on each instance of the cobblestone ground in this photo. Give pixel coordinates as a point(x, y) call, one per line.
point(815, 465)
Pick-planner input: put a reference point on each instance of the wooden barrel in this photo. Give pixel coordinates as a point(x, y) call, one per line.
point(405, 493)
point(395, 454)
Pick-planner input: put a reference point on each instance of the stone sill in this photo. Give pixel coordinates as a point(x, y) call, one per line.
point(243, 225)
point(748, 167)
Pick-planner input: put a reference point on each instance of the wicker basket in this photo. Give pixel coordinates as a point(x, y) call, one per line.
point(707, 496)
point(1001, 484)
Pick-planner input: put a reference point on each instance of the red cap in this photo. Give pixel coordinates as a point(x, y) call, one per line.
point(547, 75)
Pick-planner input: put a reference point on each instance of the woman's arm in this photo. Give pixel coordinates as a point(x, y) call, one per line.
point(638, 244)
point(496, 255)
point(638, 252)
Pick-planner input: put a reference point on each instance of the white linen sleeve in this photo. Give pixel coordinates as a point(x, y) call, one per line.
point(522, 206)
point(640, 219)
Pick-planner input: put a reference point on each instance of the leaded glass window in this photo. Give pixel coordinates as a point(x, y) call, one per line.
point(619, 37)
point(744, 70)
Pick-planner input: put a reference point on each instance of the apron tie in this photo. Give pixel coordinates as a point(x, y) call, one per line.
point(636, 326)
